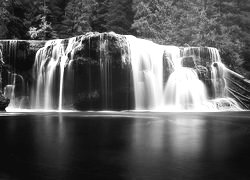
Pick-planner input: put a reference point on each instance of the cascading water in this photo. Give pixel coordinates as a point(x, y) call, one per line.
point(15, 84)
point(88, 71)
point(106, 71)
point(184, 90)
point(50, 60)
point(147, 66)
point(180, 88)
point(9, 90)
point(85, 80)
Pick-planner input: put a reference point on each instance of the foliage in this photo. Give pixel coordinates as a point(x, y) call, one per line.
point(45, 30)
point(99, 14)
point(224, 24)
point(11, 17)
point(119, 16)
point(218, 23)
point(112, 15)
point(76, 18)
point(41, 12)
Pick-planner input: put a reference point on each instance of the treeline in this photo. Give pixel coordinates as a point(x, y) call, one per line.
point(224, 24)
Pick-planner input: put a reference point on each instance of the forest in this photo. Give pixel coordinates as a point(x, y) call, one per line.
point(224, 24)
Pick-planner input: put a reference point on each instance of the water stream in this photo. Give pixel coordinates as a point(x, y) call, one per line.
point(164, 78)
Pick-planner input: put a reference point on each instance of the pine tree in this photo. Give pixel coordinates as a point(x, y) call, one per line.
point(119, 16)
point(76, 19)
point(99, 15)
point(58, 10)
point(218, 23)
point(11, 17)
point(40, 26)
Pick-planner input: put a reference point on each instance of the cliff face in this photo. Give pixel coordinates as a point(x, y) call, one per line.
point(94, 72)
point(4, 102)
point(18, 57)
point(87, 72)
point(20, 54)
point(103, 73)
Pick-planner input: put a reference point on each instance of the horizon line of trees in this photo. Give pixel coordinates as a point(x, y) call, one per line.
point(224, 24)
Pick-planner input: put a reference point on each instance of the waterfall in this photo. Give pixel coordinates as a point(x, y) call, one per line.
point(147, 66)
point(15, 88)
point(169, 78)
point(49, 70)
point(106, 71)
point(184, 90)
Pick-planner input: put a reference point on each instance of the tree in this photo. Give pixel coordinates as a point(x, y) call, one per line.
point(11, 18)
point(99, 15)
point(217, 23)
point(45, 30)
point(42, 13)
point(76, 19)
point(119, 16)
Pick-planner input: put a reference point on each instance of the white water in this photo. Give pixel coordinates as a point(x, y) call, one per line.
point(62, 67)
point(106, 70)
point(49, 93)
point(147, 66)
point(183, 89)
point(15, 82)
point(155, 87)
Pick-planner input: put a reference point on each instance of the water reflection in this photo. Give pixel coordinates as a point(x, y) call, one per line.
point(139, 146)
point(186, 138)
point(186, 146)
point(149, 134)
point(179, 135)
point(52, 148)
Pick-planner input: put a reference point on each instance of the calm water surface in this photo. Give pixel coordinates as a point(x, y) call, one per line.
point(125, 145)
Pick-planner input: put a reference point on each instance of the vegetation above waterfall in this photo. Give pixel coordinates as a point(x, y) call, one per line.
point(224, 24)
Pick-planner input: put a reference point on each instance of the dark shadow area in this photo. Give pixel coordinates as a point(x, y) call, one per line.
point(125, 145)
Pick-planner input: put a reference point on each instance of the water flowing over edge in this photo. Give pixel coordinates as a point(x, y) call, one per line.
point(162, 80)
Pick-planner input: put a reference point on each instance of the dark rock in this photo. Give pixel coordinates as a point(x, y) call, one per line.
point(202, 72)
point(168, 66)
point(87, 101)
point(99, 63)
point(188, 62)
point(4, 102)
point(20, 54)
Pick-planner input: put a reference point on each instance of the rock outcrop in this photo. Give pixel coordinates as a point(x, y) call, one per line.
point(97, 73)
point(4, 102)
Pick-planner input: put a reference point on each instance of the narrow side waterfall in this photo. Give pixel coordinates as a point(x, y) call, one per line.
point(15, 86)
point(49, 70)
point(106, 72)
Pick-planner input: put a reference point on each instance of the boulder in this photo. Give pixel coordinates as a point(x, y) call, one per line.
point(4, 102)
point(98, 72)
point(168, 66)
point(188, 61)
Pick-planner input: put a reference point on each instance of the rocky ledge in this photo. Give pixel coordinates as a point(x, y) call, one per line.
point(4, 102)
